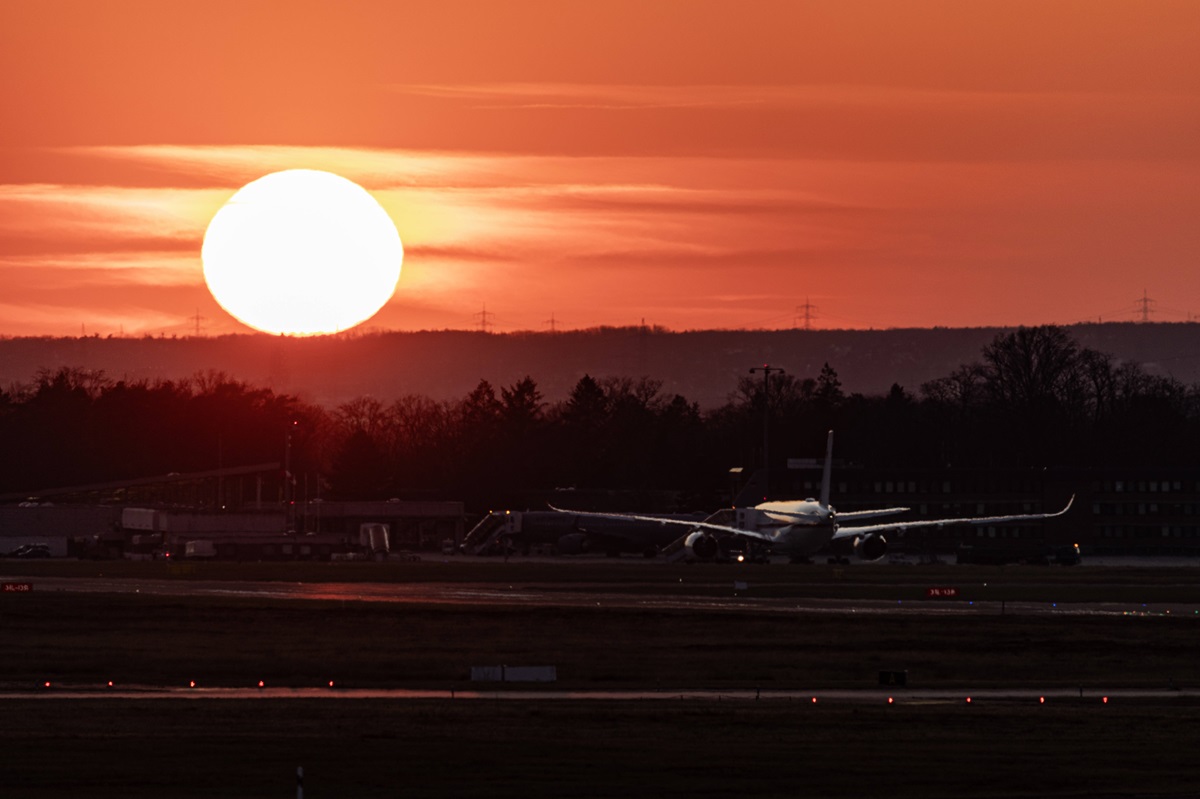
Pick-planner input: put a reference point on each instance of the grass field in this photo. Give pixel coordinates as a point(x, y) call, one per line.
point(498, 748)
point(505, 749)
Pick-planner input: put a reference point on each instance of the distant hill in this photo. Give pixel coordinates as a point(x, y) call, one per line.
point(703, 366)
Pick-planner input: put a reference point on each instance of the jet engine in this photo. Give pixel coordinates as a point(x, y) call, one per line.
point(572, 544)
point(701, 545)
point(871, 546)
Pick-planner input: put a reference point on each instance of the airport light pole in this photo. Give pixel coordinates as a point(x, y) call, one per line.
point(289, 491)
point(766, 370)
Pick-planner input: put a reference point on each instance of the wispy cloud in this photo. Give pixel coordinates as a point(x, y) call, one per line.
point(604, 97)
point(740, 97)
point(155, 268)
point(448, 208)
point(101, 214)
point(225, 165)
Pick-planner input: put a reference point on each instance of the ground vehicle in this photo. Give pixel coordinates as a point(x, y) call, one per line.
point(30, 551)
point(200, 549)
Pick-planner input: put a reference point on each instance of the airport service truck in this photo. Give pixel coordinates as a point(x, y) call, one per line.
point(200, 549)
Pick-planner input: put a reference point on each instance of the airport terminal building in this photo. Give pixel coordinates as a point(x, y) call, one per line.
point(241, 513)
point(327, 531)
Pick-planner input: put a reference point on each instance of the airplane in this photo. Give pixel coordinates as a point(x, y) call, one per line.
point(799, 529)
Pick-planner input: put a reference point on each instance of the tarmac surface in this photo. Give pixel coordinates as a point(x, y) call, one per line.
point(897, 695)
point(576, 595)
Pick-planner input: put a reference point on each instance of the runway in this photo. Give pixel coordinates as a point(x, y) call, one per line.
point(690, 670)
point(897, 695)
point(741, 597)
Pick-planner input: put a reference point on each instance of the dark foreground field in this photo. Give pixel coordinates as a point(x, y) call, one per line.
point(460, 748)
point(1073, 746)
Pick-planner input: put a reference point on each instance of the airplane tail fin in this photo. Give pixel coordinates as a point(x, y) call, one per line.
point(826, 474)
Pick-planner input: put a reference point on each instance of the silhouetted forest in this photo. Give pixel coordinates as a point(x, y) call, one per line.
point(1034, 397)
point(445, 365)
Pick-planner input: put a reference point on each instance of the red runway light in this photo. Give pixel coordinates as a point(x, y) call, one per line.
point(1041, 700)
point(110, 683)
point(890, 700)
point(191, 684)
point(260, 683)
point(1105, 700)
point(968, 700)
point(46, 684)
point(331, 683)
point(814, 700)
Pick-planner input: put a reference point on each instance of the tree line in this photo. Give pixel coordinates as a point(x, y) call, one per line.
point(1033, 398)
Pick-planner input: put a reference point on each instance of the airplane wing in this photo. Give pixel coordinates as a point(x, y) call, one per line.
point(693, 525)
point(849, 532)
point(870, 514)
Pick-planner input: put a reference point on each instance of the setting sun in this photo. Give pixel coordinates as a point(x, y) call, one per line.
point(302, 252)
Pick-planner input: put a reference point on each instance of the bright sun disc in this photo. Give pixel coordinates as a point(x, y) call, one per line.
point(302, 252)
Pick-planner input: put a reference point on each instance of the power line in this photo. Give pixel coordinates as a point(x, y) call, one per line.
point(1145, 303)
point(485, 319)
point(807, 309)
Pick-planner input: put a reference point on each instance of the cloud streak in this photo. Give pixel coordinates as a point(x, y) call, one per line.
point(622, 97)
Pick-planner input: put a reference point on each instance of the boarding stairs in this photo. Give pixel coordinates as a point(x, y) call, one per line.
point(484, 535)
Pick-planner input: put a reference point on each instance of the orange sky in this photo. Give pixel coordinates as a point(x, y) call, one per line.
point(693, 164)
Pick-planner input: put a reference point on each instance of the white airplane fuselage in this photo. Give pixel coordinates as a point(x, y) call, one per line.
point(798, 528)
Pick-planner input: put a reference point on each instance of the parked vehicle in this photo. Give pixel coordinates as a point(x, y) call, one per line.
point(30, 551)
